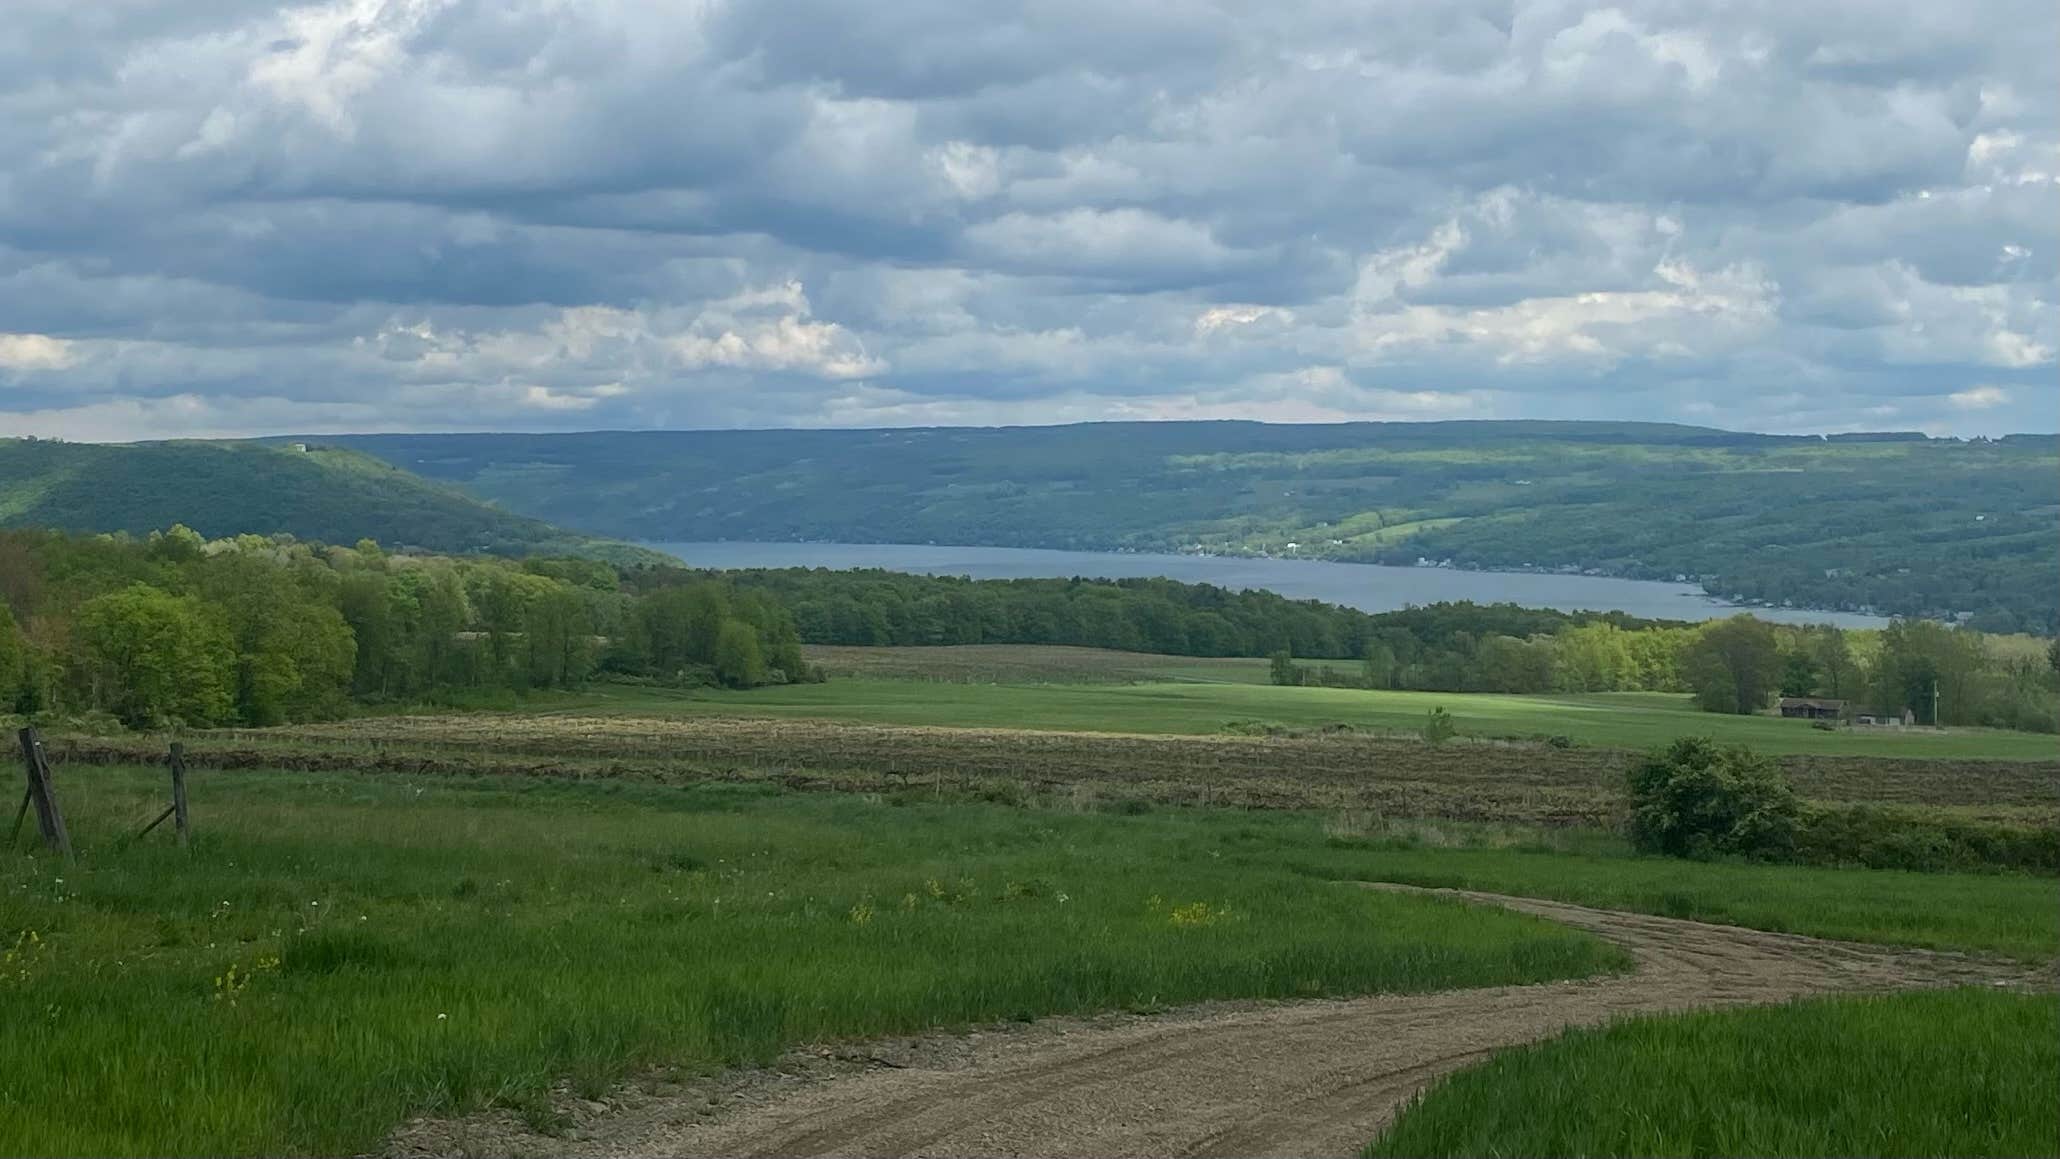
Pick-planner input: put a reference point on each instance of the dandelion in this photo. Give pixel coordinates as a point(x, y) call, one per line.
point(1198, 914)
point(14, 964)
point(229, 986)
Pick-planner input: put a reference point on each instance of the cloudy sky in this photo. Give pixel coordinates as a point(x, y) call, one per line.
point(234, 217)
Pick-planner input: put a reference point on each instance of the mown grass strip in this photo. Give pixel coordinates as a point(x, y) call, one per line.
point(1964, 1072)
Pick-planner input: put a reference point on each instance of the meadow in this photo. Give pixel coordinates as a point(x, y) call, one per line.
point(1394, 776)
point(1962, 1072)
point(339, 952)
point(2008, 914)
point(1059, 690)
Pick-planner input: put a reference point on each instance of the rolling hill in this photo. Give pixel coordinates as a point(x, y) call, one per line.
point(325, 493)
point(1897, 523)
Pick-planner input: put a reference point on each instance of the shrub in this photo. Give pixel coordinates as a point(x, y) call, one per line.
point(1878, 838)
point(1254, 728)
point(1696, 798)
point(1438, 727)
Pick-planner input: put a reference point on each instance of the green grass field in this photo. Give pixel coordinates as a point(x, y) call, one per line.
point(1634, 720)
point(339, 952)
point(2001, 913)
point(1963, 1072)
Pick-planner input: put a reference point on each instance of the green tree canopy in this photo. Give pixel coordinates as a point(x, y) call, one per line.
point(1734, 665)
point(155, 659)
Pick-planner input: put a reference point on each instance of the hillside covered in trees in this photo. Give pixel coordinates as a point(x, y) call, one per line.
point(220, 489)
point(1897, 524)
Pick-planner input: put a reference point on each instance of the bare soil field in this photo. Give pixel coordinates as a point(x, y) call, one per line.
point(1316, 1078)
point(1464, 780)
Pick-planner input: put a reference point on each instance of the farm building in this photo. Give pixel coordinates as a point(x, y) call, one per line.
point(1811, 708)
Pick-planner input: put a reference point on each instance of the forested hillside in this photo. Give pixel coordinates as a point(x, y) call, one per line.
point(325, 493)
point(1898, 524)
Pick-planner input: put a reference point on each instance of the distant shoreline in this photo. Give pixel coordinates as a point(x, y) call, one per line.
point(1369, 587)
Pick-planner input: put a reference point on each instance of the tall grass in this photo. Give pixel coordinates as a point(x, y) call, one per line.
point(1963, 1072)
point(1997, 913)
point(339, 952)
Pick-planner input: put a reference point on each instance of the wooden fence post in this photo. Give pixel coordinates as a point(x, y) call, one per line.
point(178, 762)
point(176, 811)
point(48, 819)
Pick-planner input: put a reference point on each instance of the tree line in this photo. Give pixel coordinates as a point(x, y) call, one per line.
point(875, 607)
point(1942, 675)
point(1737, 665)
point(175, 629)
point(178, 629)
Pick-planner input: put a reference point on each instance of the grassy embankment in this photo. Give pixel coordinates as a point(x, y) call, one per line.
point(1963, 1072)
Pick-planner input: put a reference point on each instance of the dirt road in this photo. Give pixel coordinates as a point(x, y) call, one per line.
point(1318, 1078)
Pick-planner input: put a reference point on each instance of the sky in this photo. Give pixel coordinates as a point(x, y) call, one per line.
point(231, 218)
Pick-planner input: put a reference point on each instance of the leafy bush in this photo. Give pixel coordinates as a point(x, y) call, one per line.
point(1438, 727)
point(1877, 838)
point(1697, 798)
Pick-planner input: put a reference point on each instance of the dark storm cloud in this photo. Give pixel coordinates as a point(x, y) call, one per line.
point(409, 214)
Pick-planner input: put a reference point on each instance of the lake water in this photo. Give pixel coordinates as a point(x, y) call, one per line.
point(1368, 587)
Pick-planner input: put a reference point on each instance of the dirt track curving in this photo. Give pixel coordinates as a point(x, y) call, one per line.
point(1318, 1078)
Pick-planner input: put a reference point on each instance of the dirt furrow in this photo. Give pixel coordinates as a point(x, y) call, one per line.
point(1314, 1078)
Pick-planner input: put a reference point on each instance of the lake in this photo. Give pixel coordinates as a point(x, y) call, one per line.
point(1366, 586)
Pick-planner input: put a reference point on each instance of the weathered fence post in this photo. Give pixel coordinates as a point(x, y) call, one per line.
point(48, 819)
point(177, 809)
point(178, 763)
